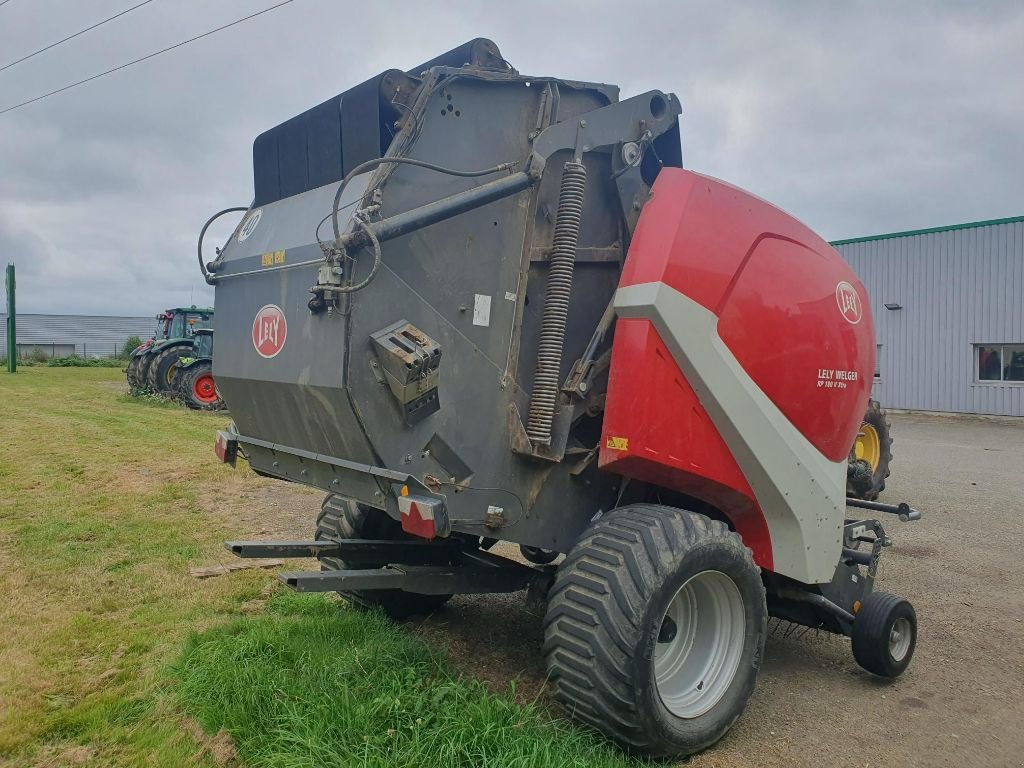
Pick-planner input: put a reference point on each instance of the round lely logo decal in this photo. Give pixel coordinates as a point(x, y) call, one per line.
point(249, 225)
point(269, 331)
point(849, 302)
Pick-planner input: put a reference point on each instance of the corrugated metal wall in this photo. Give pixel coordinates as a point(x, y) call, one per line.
point(91, 335)
point(958, 288)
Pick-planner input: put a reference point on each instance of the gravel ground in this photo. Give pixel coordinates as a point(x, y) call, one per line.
point(960, 702)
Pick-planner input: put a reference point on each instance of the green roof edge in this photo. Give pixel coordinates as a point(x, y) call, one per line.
point(929, 231)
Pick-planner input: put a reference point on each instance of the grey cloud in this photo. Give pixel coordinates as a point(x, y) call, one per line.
point(858, 118)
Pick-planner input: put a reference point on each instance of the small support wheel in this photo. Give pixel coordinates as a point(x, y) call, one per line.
point(885, 634)
point(538, 555)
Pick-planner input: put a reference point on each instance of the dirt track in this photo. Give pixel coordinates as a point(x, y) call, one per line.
point(960, 703)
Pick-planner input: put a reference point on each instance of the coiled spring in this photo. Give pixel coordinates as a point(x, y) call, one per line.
point(556, 303)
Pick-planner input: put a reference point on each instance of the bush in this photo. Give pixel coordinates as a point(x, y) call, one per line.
point(74, 361)
point(130, 344)
point(37, 355)
point(22, 363)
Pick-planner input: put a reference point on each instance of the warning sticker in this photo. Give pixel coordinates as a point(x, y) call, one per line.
point(272, 258)
point(618, 443)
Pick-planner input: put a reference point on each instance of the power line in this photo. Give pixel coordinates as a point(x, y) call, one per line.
point(141, 59)
point(72, 37)
point(5, 2)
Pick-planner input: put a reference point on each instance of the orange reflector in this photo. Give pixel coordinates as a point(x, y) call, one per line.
point(856, 605)
point(405, 490)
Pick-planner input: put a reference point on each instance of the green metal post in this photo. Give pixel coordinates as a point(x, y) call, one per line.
point(12, 340)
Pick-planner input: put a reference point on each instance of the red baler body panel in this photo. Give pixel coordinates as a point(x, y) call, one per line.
point(790, 311)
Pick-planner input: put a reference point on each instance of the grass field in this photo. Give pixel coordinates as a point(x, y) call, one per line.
point(112, 655)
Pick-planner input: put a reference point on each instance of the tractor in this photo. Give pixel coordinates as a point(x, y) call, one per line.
point(153, 363)
point(871, 455)
point(193, 377)
point(474, 306)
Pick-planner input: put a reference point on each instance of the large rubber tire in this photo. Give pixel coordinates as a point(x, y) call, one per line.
point(871, 487)
point(144, 362)
point(160, 374)
point(196, 387)
point(884, 634)
point(343, 518)
point(134, 381)
point(604, 626)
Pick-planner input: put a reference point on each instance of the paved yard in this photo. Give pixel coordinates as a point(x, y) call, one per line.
point(960, 703)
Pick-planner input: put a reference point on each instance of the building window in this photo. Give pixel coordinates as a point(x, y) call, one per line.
point(999, 362)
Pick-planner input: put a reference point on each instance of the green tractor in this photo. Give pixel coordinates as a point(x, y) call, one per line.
point(193, 378)
point(153, 363)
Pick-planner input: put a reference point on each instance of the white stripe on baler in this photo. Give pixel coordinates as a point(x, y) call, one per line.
point(801, 492)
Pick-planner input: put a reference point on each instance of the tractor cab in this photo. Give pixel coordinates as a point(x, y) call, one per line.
point(182, 323)
point(202, 344)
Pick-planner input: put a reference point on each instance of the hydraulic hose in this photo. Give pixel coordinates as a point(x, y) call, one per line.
point(369, 165)
point(375, 244)
point(210, 280)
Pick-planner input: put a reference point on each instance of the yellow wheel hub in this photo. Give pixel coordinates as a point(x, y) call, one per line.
point(868, 446)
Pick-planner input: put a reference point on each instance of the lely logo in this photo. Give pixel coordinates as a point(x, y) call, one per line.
point(269, 331)
point(250, 225)
point(849, 302)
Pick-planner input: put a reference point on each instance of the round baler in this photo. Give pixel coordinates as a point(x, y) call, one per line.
point(497, 308)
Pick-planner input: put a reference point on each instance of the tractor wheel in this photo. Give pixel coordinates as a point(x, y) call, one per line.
point(884, 634)
point(143, 370)
point(655, 629)
point(160, 374)
point(197, 389)
point(134, 382)
point(342, 518)
point(872, 454)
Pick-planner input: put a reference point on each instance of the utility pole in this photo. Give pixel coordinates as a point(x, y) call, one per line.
point(12, 340)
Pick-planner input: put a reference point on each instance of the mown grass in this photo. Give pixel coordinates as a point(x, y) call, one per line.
point(111, 652)
point(309, 684)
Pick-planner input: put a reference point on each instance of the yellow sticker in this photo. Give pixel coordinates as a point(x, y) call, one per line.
point(270, 258)
point(618, 443)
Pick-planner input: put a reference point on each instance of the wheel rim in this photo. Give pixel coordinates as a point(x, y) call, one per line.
point(204, 389)
point(700, 644)
point(899, 639)
point(868, 446)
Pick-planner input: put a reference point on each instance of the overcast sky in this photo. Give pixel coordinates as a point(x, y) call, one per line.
point(857, 117)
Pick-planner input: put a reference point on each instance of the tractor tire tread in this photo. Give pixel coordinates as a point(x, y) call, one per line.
point(157, 368)
point(344, 518)
point(596, 612)
point(879, 419)
point(185, 381)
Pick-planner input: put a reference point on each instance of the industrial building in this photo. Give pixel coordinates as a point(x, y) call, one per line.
point(948, 304)
point(83, 335)
point(949, 316)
